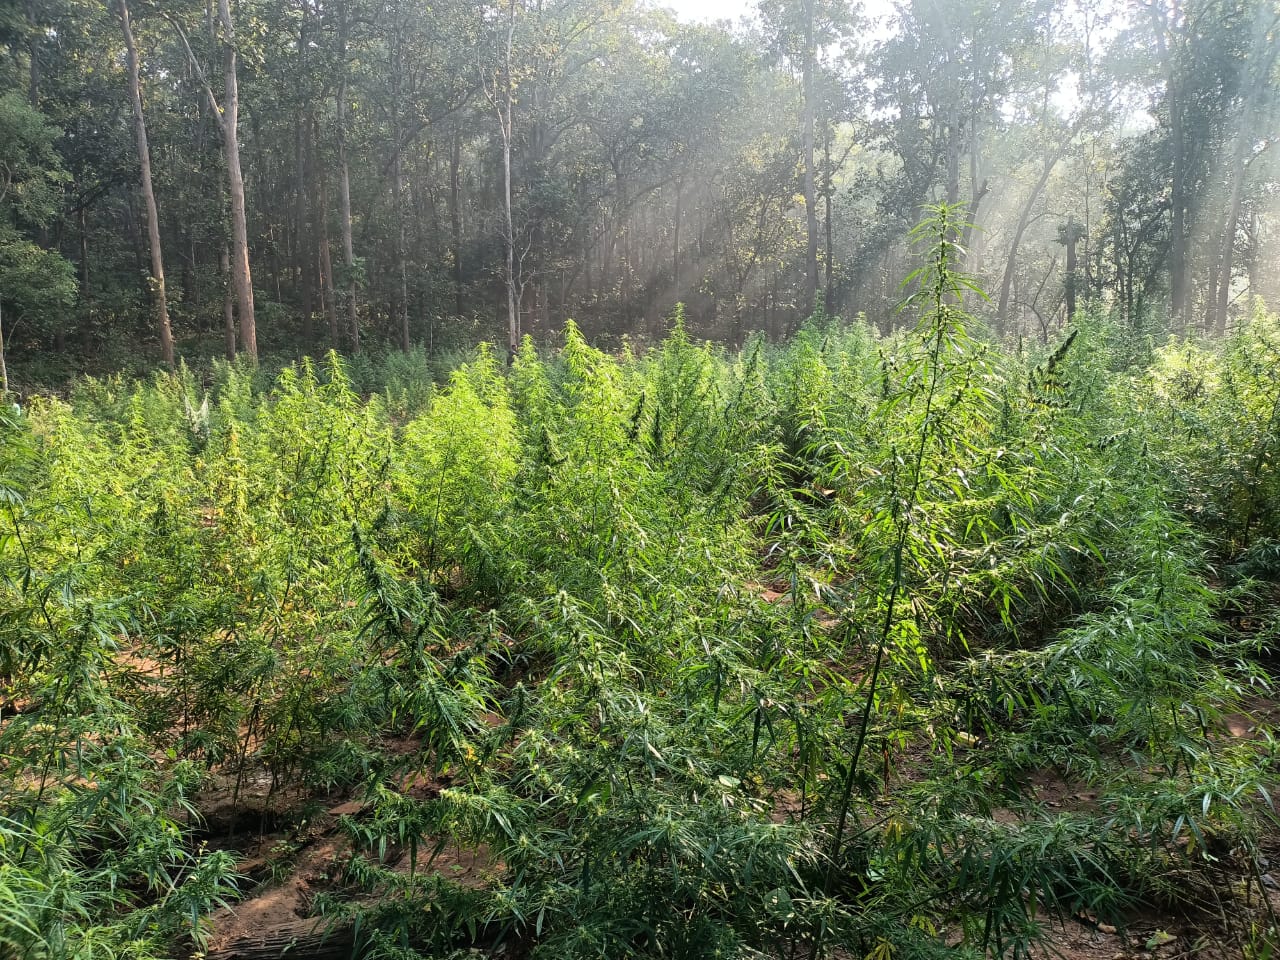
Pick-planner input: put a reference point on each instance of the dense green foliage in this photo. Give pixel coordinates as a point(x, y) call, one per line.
point(440, 172)
point(709, 654)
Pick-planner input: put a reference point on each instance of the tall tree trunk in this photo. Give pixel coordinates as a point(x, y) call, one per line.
point(344, 183)
point(33, 54)
point(139, 254)
point(86, 292)
point(1226, 263)
point(228, 305)
point(240, 273)
point(977, 193)
point(953, 156)
point(328, 291)
point(404, 266)
point(1071, 235)
point(675, 242)
point(1178, 254)
point(304, 252)
point(148, 193)
point(1253, 264)
point(828, 222)
point(1165, 31)
point(455, 218)
point(1263, 49)
point(810, 193)
point(504, 107)
point(4, 367)
point(400, 187)
point(320, 213)
point(1024, 218)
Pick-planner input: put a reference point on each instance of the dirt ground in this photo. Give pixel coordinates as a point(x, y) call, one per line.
point(289, 858)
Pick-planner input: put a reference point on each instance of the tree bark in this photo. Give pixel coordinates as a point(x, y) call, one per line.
point(675, 242)
point(977, 193)
point(324, 260)
point(151, 212)
point(455, 218)
point(4, 368)
point(1073, 233)
point(828, 223)
point(400, 187)
point(953, 156)
point(810, 198)
point(304, 253)
point(504, 121)
point(1164, 31)
point(86, 292)
point(300, 939)
point(1244, 130)
point(240, 273)
point(228, 305)
point(1024, 218)
point(344, 183)
point(33, 54)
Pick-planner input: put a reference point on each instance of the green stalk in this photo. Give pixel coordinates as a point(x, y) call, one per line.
point(902, 521)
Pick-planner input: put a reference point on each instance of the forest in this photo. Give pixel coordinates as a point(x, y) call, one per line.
point(579, 479)
point(290, 176)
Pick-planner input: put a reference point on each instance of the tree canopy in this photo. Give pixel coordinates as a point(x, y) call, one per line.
point(352, 173)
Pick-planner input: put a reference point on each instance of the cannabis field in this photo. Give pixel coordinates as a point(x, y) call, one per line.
point(857, 646)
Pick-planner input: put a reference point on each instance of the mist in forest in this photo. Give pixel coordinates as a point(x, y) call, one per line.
point(194, 179)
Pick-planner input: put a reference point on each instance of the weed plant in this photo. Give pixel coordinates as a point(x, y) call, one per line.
point(762, 654)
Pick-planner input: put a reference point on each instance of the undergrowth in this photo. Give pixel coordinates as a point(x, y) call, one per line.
point(705, 654)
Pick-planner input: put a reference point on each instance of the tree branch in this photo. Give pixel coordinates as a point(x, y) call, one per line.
point(195, 65)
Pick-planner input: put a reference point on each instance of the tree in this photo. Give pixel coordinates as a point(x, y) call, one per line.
point(1260, 85)
point(800, 30)
point(500, 89)
point(228, 113)
point(36, 284)
point(148, 192)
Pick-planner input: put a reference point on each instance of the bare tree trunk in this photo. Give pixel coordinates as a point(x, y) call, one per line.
point(1263, 48)
point(148, 193)
point(1253, 264)
point(328, 291)
point(239, 222)
point(86, 292)
point(828, 176)
point(675, 243)
point(4, 368)
point(1072, 234)
point(504, 121)
point(33, 55)
point(1024, 218)
point(1164, 32)
point(228, 305)
point(403, 257)
point(953, 157)
point(135, 235)
point(324, 261)
point(401, 189)
point(304, 253)
point(344, 183)
point(977, 193)
point(455, 218)
point(810, 197)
